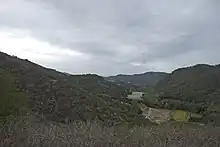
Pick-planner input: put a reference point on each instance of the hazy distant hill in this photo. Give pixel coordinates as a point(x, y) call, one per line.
point(198, 83)
point(145, 79)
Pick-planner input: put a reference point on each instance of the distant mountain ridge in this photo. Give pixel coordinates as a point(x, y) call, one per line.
point(145, 79)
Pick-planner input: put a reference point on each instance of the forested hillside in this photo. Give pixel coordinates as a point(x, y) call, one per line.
point(199, 83)
point(62, 97)
point(68, 110)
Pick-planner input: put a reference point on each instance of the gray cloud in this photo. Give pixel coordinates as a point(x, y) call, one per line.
point(125, 36)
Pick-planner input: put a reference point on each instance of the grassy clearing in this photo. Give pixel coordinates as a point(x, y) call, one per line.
point(28, 133)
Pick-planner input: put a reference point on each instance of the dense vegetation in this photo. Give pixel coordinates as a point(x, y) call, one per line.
point(12, 102)
point(198, 83)
point(65, 98)
point(195, 89)
point(70, 110)
point(28, 133)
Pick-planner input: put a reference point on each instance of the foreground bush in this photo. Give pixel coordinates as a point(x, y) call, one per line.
point(29, 133)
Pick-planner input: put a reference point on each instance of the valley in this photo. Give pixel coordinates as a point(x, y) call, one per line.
point(37, 95)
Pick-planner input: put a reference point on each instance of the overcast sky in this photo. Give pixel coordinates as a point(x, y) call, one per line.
point(109, 37)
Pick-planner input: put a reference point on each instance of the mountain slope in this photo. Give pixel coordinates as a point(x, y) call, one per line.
point(59, 96)
point(199, 83)
point(145, 79)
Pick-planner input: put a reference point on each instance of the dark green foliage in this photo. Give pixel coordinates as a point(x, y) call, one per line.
point(195, 84)
point(62, 97)
point(195, 89)
point(183, 105)
point(12, 102)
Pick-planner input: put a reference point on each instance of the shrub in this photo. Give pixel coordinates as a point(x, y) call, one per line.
point(26, 133)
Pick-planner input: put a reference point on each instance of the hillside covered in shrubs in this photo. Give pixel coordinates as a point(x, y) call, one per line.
point(61, 97)
point(199, 83)
point(26, 132)
point(44, 107)
point(195, 89)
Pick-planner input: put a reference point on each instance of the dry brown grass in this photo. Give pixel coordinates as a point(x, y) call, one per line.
point(26, 133)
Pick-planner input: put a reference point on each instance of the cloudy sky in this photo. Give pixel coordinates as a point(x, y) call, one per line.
point(109, 37)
